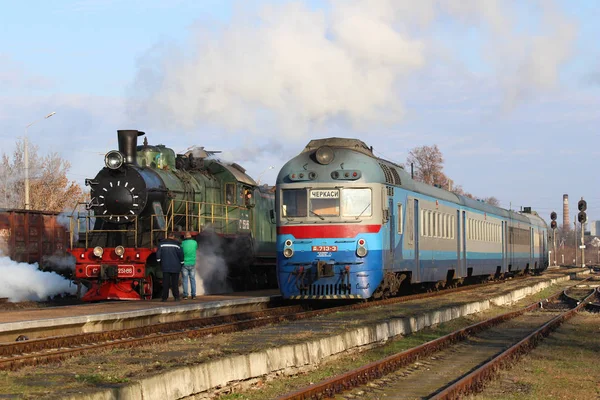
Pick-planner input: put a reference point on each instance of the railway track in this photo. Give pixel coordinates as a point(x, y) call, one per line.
point(457, 364)
point(24, 352)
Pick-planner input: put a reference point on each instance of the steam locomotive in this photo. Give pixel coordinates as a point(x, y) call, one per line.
point(143, 193)
point(351, 225)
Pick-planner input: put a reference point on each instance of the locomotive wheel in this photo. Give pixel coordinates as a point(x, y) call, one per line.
point(149, 287)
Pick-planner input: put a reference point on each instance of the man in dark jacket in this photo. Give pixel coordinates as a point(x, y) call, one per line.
point(170, 256)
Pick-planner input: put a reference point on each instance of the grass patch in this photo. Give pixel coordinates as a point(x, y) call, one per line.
point(563, 366)
point(99, 379)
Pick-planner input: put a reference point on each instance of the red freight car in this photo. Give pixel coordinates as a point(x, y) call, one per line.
point(33, 236)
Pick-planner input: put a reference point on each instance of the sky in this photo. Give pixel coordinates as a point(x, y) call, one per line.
point(508, 90)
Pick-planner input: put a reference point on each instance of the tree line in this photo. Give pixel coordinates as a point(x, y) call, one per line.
point(49, 187)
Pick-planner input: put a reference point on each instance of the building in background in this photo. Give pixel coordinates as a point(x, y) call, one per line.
point(594, 228)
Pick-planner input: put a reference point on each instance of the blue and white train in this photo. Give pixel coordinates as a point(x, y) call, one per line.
point(351, 225)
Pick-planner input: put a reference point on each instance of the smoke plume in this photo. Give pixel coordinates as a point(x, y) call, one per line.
point(22, 281)
point(211, 266)
point(286, 67)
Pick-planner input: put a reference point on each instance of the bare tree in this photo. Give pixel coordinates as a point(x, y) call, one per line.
point(429, 163)
point(49, 188)
point(492, 201)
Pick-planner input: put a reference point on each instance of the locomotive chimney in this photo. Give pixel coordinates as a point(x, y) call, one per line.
point(128, 144)
point(566, 223)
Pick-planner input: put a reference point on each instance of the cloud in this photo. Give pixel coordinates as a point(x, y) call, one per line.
point(288, 69)
point(286, 65)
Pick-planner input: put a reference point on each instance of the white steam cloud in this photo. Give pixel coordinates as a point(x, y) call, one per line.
point(22, 281)
point(287, 66)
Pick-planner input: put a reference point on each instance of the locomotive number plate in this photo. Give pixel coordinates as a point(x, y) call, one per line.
point(126, 270)
point(324, 248)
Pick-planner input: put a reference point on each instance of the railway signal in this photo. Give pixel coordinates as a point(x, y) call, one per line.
point(582, 206)
point(553, 218)
point(553, 226)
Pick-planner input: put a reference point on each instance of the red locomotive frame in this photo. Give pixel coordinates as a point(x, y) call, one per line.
point(114, 277)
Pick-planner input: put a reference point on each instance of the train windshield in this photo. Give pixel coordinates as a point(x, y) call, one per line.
point(326, 203)
point(356, 202)
point(294, 203)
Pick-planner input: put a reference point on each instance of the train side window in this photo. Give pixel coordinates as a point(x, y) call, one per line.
point(453, 227)
point(400, 218)
point(433, 223)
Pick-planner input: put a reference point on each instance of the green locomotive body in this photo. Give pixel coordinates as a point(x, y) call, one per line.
point(148, 191)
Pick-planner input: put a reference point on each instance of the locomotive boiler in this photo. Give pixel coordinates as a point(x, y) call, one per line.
point(146, 191)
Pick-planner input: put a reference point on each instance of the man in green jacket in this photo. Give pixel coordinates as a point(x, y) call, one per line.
point(189, 246)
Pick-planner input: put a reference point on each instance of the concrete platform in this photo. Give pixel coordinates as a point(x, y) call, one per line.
point(97, 317)
point(196, 380)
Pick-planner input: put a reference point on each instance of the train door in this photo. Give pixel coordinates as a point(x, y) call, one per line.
point(392, 232)
point(508, 232)
point(464, 243)
point(531, 252)
point(504, 246)
point(459, 268)
point(417, 236)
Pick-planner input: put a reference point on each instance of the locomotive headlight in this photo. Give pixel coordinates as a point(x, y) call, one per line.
point(324, 155)
point(288, 252)
point(120, 250)
point(114, 159)
point(98, 251)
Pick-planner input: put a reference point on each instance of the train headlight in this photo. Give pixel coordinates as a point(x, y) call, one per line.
point(114, 159)
point(324, 155)
point(98, 251)
point(288, 252)
point(361, 248)
point(120, 250)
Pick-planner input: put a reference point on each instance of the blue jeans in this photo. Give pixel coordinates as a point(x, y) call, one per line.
point(189, 271)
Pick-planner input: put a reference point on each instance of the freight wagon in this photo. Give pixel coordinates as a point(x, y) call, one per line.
point(33, 236)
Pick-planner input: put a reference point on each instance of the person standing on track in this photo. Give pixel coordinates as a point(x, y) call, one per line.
point(189, 246)
point(170, 256)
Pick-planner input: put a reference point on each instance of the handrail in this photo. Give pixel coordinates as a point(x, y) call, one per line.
point(197, 216)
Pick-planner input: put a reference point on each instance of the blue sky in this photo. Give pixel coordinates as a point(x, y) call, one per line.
point(509, 90)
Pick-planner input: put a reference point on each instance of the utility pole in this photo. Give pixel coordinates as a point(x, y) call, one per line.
point(553, 225)
point(575, 240)
point(26, 159)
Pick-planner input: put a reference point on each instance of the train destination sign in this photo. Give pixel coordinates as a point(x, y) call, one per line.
point(324, 194)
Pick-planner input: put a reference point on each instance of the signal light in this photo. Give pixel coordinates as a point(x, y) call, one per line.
point(553, 218)
point(582, 206)
point(553, 224)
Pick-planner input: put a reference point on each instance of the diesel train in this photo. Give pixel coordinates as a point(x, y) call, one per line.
point(146, 191)
point(351, 225)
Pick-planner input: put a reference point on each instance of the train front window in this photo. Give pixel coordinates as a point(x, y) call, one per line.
point(293, 203)
point(325, 203)
point(356, 202)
